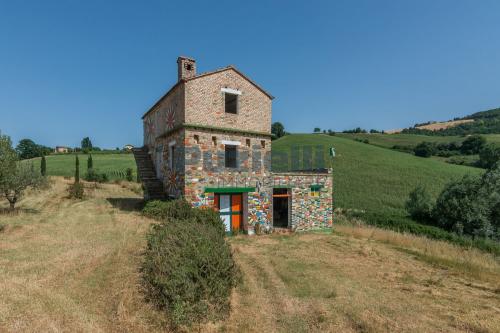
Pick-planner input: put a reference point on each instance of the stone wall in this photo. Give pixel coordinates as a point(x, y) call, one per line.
point(308, 211)
point(173, 179)
point(205, 103)
point(205, 167)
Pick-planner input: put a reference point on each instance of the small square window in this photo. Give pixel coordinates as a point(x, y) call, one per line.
point(231, 103)
point(197, 139)
point(230, 156)
point(248, 142)
point(214, 141)
point(316, 190)
point(263, 143)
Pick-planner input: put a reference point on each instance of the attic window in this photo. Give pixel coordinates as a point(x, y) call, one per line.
point(188, 67)
point(263, 144)
point(214, 141)
point(197, 138)
point(231, 103)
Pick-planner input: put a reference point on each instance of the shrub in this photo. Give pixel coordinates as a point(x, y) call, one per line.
point(473, 144)
point(188, 269)
point(489, 156)
point(90, 162)
point(424, 149)
point(76, 191)
point(43, 166)
point(419, 204)
point(462, 209)
point(180, 210)
point(77, 169)
point(94, 176)
point(129, 174)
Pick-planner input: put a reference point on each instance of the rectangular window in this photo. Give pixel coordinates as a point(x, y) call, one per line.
point(231, 103)
point(315, 190)
point(230, 154)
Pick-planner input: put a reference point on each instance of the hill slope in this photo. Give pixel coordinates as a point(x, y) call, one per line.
point(484, 122)
point(376, 179)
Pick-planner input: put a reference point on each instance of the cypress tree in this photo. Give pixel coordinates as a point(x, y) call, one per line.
point(43, 166)
point(90, 163)
point(77, 170)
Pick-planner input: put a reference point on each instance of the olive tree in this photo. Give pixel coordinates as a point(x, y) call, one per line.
point(15, 176)
point(24, 176)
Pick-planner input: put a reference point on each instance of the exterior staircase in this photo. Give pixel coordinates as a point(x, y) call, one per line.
point(153, 187)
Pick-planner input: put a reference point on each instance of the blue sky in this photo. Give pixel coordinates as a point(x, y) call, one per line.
point(70, 69)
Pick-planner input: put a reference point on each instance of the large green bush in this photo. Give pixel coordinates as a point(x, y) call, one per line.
point(460, 208)
point(473, 144)
point(424, 149)
point(471, 205)
point(188, 268)
point(419, 204)
point(489, 156)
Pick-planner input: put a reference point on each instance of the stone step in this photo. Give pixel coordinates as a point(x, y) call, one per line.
point(146, 170)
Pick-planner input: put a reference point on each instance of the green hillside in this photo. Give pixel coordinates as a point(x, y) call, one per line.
point(64, 164)
point(375, 179)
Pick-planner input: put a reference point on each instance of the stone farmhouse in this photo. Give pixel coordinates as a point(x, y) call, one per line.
point(208, 139)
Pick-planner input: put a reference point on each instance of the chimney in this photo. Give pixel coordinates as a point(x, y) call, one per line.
point(186, 68)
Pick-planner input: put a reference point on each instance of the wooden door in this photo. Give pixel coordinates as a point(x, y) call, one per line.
point(230, 208)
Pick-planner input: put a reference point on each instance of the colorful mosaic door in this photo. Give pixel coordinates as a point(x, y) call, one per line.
point(231, 210)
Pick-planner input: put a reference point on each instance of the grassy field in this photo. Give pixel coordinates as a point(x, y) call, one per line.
point(74, 266)
point(376, 179)
point(64, 164)
point(390, 140)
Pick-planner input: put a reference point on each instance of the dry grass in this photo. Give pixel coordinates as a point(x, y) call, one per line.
point(445, 124)
point(360, 280)
point(72, 266)
point(472, 262)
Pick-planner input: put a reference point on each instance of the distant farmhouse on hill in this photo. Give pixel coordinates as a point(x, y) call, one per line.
point(208, 140)
point(61, 149)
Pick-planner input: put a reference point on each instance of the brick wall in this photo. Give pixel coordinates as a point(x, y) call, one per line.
point(166, 115)
point(205, 103)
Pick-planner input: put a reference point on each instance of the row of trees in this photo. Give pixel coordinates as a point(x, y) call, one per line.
point(359, 130)
point(470, 206)
point(15, 175)
point(489, 154)
point(27, 148)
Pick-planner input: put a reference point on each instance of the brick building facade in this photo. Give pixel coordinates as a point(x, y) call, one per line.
point(209, 138)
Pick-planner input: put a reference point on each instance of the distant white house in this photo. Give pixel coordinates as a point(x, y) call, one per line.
point(128, 147)
point(61, 149)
